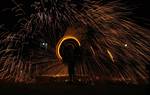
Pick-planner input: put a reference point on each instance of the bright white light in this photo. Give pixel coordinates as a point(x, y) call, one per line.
point(43, 44)
point(126, 45)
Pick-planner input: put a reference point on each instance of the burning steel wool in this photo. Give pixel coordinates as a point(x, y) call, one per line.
point(112, 47)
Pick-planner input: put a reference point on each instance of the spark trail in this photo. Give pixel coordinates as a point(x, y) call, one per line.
point(113, 47)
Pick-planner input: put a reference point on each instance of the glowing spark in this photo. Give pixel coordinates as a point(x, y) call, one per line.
point(111, 56)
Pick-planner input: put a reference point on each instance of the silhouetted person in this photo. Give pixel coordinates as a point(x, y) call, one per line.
point(70, 60)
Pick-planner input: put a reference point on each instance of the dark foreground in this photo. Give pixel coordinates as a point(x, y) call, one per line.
point(63, 87)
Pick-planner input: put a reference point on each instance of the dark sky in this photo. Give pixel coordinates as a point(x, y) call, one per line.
point(143, 5)
point(140, 9)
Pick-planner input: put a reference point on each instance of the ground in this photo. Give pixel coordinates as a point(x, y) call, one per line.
point(57, 86)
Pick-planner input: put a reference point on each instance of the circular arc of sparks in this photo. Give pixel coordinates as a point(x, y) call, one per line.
point(61, 41)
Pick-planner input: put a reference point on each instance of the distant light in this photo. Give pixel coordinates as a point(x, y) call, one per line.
point(46, 44)
point(43, 44)
point(126, 45)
